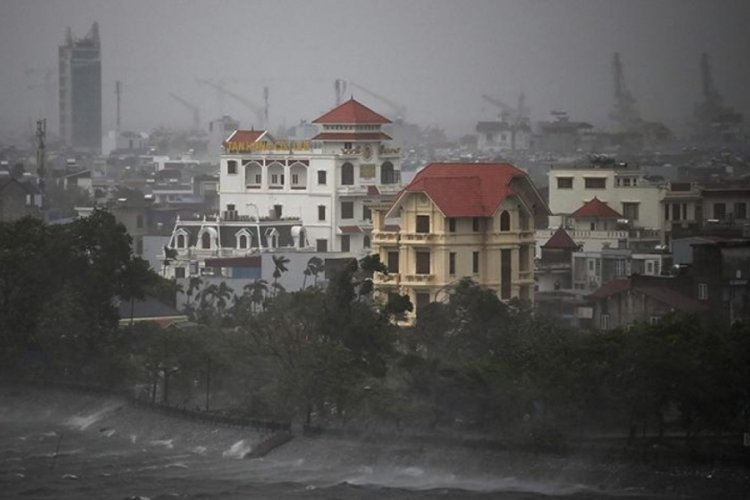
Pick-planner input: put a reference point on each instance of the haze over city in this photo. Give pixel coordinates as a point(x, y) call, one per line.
point(436, 58)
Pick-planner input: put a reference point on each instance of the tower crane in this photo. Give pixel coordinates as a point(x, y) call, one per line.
point(261, 112)
point(192, 107)
point(625, 112)
point(517, 115)
point(398, 109)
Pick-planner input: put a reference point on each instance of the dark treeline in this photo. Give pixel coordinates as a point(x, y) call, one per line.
point(334, 357)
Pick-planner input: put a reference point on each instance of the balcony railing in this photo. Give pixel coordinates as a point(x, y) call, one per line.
point(388, 152)
point(384, 236)
point(417, 279)
point(386, 279)
point(352, 190)
point(417, 237)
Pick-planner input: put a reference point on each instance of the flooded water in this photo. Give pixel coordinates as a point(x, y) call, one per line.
point(70, 446)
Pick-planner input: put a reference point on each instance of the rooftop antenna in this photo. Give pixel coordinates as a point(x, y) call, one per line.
point(41, 135)
point(118, 93)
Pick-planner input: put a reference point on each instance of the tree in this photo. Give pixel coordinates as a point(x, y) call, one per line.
point(279, 263)
point(314, 267)
point(257, 290)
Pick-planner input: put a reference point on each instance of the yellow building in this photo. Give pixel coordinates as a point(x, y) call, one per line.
point(457, 220)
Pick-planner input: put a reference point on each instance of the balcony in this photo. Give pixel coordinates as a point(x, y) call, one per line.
point(417, 237)
point(417, 279)
point(352, 190)
point(385, 237)
point(385, 152)
point(390, 279)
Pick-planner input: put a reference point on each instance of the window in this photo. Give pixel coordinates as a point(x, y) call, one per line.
point(475, 262)
point(179, 272)
point(393, 262)
point(387, 175)
point(181, 241)
point(139, 222)
point(321, 212)
point(475, 224)
point(676, 211)
point(366, 242)
point(139, 246)
point(242, 241)
point(423, 223)
point(595, 182)
point(452, 263)
point(649, 267)
point(452, 225)
point(347, 209)
point(423, 262)
point(564, 183)
point(345, 243)
point(231, 167)
point(277, 211)
point(604, 322)
point(277, 180)
point(206, 240)
point(347, 174)
point(630, 210)
point(322, 177)
point(702, 291)
point(654, 320)
point(321, 245)
point(740, 211)
point(720, 211)
point(258, 178)
point(366, 213)
point(505, 221)
point(295, 179)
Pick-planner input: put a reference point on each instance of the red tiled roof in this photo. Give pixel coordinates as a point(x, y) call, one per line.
point(373, 191)
point(352, 112)
point(245, 136)
point(663, 294)
point(562, 240)
point(350, 229)
point(465, 189)
point(596, 208)
point(351, 136)
point(611, 288)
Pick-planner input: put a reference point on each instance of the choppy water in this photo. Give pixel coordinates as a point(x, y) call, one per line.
point(64, 446)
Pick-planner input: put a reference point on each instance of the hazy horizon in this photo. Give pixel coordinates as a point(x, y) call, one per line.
point(434, 57)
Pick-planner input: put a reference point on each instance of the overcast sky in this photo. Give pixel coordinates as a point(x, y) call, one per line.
point(436, 57)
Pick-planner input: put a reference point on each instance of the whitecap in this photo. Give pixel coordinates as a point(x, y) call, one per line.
point(238, 450)
point(167, 443)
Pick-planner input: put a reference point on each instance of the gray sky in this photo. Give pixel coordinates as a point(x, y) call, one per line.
point(435, 56)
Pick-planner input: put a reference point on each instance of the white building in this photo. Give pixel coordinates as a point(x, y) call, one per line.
point(327, 182)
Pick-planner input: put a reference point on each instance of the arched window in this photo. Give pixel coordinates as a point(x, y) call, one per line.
point(276, 176)
point(347, 174)
point(366, 243)
point(181, 241)
point(505, 221)
point(298, 174)
point(206, 240)
point(272, 237)
point(387, 175)
point(242, 241)
point(253, 174)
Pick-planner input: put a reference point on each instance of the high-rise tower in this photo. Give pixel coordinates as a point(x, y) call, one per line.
point(81, 91)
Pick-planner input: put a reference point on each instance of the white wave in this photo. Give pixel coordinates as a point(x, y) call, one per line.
point(199, 450)
point(71, 476)
point(238, 450)
point(83, 422)
point(133, 438)
point(108, 433)
point(167, 443)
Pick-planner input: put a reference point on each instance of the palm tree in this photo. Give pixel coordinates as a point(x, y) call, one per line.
point(195, 284)
point(313, 268)
point(257, 290)
point(223, 294)
point(279, 262)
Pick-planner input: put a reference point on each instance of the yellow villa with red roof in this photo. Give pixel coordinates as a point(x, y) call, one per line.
point(459, 220)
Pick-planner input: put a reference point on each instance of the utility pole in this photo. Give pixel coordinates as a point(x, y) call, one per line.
point(265, 108)
point(41, 134)
point(118, 93)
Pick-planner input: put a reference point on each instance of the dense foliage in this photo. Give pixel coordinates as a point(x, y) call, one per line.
point(336, 355)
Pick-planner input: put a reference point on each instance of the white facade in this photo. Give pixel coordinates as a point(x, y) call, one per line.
point(624, 189)
point(325, 182)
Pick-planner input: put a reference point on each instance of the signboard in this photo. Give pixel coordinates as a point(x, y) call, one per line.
point(367, 171)
point(266, 146)
point(585, 312)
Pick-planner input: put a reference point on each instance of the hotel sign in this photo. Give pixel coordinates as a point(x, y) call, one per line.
point(266, 146)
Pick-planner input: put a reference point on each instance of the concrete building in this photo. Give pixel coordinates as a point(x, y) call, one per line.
point(327, 182)
point(18, 199)
point(80, 80)
point(458, 220)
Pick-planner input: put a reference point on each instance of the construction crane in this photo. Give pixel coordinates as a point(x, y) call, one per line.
point(625, 112)
point(340, 87)
point(261, 113)
point(517, 115)
point(398, 109)
point(192, 107)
